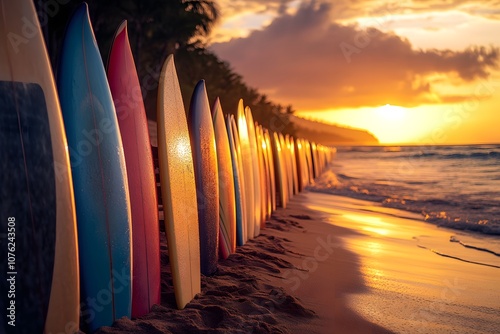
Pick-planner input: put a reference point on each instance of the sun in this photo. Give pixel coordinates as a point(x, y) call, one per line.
point(391, 124)
point(391, 113)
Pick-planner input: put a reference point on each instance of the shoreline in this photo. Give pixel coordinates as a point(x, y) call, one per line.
point(411, 288)
point(328, 273)
point(334, 264)
point(293, 278)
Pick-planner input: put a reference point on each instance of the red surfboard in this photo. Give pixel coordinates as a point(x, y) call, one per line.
point(127, 96)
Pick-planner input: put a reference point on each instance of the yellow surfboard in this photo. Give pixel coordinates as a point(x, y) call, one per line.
point(294, 167)
point(227, 195)
point(239, 181)
point(280, 171)
point(178, 187)
point(263, 185)
point(37, 201)
point(270, 159)
point(256, 172)
point(246, 157)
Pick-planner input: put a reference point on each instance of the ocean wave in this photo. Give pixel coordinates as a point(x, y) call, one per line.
point(441, 212)
point(346, 177)
point(481, 249)
point(360, 149)
point(421, 183)
point(457, 258)
point(490, 228)
point(452, 156)
point(441, 202)
point(451, 186)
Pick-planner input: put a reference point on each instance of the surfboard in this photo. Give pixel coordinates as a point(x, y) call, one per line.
point(314, 159)
point(301, 167)
point(201, 131)
point(227, 205)
point(239, 181)
point(99, 175)
point(178, 188)
point(270, 159)
point(246, 154)
point(321, 158)
point(286, 166)
point(255, 170)
point(267, 173)
point(266, 177)
point(270, 179)
point(295, 176)
point(290, 164)
point(127, 96)
point(280, 172)
point(264, 194)
point(305, 172)
point(310, 171)
point(38, 227)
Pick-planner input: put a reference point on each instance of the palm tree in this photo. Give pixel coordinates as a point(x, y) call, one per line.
point(157, 28)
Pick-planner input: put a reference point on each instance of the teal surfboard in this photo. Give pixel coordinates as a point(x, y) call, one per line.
point(99, 177)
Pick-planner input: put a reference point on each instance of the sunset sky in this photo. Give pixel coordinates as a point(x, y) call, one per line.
point(407, 71)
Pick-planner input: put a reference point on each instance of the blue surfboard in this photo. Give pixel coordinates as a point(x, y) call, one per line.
point(99, 177)
point(202, 135)
point(239, 186)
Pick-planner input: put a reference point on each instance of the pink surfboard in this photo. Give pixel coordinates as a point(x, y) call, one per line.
point(127, 96)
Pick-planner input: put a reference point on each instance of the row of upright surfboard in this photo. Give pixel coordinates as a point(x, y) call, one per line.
point(79, 225)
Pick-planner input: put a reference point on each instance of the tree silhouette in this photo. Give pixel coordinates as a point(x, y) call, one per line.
point(158, 28)
point(195, 62)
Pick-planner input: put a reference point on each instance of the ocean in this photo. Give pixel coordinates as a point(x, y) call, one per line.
point(451, 186)
point(456, 188)
point(425, 223)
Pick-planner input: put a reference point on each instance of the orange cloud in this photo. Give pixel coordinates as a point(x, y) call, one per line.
point(314, 63)
point(347, 9)
point(235, 7)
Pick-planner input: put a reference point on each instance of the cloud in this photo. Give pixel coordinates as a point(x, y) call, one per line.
point(235, 7)
point(348, 9)
point(314, 63)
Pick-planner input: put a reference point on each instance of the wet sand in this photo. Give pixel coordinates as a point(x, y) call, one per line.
point(411, 289)
point(294, 278)
point(330, 264)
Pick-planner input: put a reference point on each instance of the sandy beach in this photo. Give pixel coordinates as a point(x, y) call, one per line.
point(410, 288)
point(330, 264)
point(293, 278)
